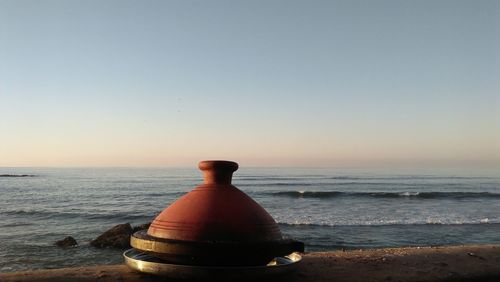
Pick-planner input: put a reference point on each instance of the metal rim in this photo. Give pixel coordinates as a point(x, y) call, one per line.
point(146, 263)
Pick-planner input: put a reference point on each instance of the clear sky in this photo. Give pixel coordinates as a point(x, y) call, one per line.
point(293, 83)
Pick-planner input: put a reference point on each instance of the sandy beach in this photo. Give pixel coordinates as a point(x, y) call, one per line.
point(453, 263)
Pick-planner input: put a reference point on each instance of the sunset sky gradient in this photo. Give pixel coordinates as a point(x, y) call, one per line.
point(264, 83)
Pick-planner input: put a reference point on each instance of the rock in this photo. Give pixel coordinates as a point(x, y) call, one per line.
point(144, 226)
point(116, 237)
point(66, 242)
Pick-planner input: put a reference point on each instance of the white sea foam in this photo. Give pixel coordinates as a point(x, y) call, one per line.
point(408, 194)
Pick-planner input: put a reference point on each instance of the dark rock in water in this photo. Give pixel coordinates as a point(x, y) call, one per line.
point(141, 227)
point(67, 242)
point(116, 237)
point(16, 175)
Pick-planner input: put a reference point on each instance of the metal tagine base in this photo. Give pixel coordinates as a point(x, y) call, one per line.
point(147, 263)
point(213, 253)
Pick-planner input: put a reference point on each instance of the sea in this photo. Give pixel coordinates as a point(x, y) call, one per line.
point(327, 208)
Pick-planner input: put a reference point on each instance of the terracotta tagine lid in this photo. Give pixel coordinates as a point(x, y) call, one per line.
point(215, 223)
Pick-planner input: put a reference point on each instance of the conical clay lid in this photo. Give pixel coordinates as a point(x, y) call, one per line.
point(215, 211)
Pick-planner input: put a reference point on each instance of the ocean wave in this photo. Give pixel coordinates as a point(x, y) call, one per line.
point(350, 183)
point(331, 184)
point(327, 177)
point(271, 178)
point(393, 223)
point(68, 215)
point(16, 224)
point(17, 175)
point(163, 194)
point(416, 195)
point(409, 177)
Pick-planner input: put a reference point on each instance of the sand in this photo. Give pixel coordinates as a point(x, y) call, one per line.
point(457, 263)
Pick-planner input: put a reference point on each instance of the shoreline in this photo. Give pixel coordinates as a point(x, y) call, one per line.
point(444, 263)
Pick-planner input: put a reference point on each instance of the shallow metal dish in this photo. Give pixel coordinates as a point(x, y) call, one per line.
point(146, 263)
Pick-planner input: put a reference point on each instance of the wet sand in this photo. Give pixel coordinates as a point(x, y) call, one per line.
point(456, 263)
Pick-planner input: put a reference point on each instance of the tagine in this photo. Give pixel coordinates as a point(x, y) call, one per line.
point(215, 224)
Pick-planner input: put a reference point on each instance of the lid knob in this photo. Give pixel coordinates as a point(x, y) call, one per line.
point(217, 172)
